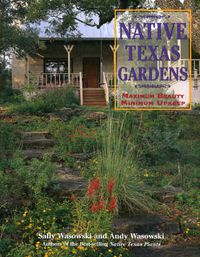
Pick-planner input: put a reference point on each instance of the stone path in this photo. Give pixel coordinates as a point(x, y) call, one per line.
point(145, 223)
point(167, 251)
point(36, 143)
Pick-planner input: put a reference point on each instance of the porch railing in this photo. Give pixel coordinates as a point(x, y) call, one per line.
point(109, 78)
point(105, 87)
point(54, 80)
point(185, 62)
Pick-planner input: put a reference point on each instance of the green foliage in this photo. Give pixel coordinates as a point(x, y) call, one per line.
point(37, 175)
point(66, 24)
point(77, 136)
point(116, 161)
point(12, 36)
point(91, 222)
point(21, 184)
point(7, 94)
point(48, 102)
point(8, 139)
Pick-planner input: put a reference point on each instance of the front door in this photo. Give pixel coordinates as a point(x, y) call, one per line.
point(91, 72)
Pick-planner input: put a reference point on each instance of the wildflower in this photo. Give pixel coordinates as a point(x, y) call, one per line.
point(24, 214)
point(187, 230)
point(95, 207)
point(74, 251)
point(101, 204)
point(112, 204)
point(93, 187)
point(81, 248)
point(111, 185)
point(30, 225)
point(37, 245)
point(46, 255)
point(110, 250)
point(73, 197)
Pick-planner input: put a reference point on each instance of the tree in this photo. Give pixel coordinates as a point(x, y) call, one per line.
point(63, 15)
point(14, 37)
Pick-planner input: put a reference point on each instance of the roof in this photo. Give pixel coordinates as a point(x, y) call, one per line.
point(106, 31)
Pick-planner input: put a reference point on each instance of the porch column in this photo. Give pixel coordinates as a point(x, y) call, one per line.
point(101, 64)
point(114, 50)
point(69, 48)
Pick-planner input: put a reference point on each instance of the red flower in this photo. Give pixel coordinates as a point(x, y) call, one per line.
point(73, 197)
point(93, 187)
point(95, 207)
point(101, 204)
point(112, 204)
point(111, 185)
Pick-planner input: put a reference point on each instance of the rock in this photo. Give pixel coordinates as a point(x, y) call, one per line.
point(66, 113)
point(40, 143)
point(166, 251)
point(69, 183)
point(82, 156)
point(34, 134)
point(33, 153)
point(53, 116)
point(145, 224)
point(170, 193)
point(95, 116)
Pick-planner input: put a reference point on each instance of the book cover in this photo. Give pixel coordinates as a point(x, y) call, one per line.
point(99, 128)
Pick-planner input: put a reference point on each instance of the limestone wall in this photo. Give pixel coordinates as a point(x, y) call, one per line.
point(19, 71)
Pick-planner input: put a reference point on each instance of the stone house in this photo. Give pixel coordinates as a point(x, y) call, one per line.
point(85, 63)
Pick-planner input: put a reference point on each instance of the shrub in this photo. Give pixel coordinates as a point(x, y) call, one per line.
point(48, 102)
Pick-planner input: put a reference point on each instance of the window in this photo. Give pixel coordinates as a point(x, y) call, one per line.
point(56, 66)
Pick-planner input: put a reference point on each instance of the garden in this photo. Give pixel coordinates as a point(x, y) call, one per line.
point(68, 170)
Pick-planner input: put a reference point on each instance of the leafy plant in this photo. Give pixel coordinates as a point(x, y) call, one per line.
point(48, 102)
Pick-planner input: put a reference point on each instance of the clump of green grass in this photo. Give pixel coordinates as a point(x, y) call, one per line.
point(116, 161)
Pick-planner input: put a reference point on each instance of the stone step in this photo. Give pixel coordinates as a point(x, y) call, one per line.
point(69, 183)
point(144, 224)
point(34, 134)
point(94, 103)
point(166, 251)
point(40, 143)
point(33, 153)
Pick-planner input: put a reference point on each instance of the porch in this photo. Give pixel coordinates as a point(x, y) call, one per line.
point(100, 93)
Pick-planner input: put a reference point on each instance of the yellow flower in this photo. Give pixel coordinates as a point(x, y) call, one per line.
point(30, 225)
point(65, 247)
point(18, 223)
point(37, 245)
point(110, 250)
point(74, 251)
point(46, 255)
point(187, 230)
point(24, 214)
point(81, 248)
